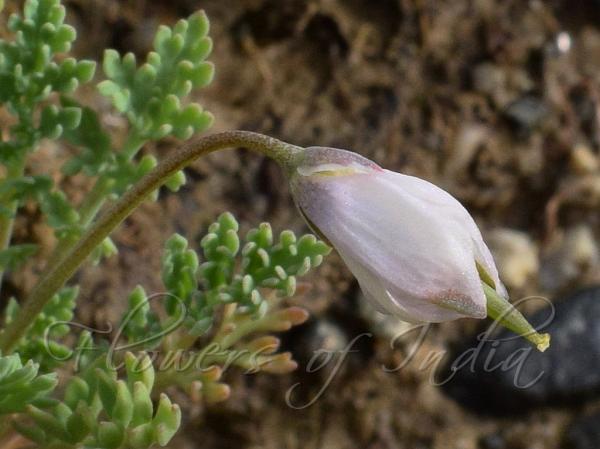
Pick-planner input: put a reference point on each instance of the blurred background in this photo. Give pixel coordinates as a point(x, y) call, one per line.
point(495, 101)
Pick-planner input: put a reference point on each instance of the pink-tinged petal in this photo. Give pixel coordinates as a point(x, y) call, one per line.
point(407, 308)
point(411, 245)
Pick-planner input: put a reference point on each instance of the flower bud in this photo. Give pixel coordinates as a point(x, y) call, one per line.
point(414, 249)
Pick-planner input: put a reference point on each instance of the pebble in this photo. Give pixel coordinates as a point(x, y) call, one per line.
point(583, 160)
point(569, 257)
point(525, 113)
point(489, 79)
point(493, 441)
point(507, 375)
point(318, 339)
point(516, 256)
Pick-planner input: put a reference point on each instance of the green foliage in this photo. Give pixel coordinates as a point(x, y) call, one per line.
point(153, 98)
point(41, 342)
point(242, 281)
point(101, 411)
point(101, 408)
point(59, 213)
point(20, 385)
point(230, 276)
point(16, 255)
point(150, 95)
point(141, 325)
point(34, 87)
point(95, 145)
point(106, 249)
point(26, 187)
point(30, 74)
point(264, 263)
point(179, 272)
point(246, 285)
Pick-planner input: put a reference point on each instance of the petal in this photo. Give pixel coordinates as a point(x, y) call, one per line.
point(452, 209)
point(410, 309)
point(409, 233)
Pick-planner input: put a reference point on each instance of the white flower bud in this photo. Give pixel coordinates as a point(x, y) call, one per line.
point(414, 249)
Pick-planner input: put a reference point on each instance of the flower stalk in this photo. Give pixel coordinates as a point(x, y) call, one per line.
point(332, 189)
point(63, 269)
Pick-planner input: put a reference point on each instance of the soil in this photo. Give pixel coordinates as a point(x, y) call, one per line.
point(492, 100)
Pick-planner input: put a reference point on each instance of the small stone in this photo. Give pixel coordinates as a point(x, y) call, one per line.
point(568, 258)
point(525, 113)
point(493, 441)
point(563, 42)
point(584, 433)
point(317, 345)
point(507, 374)
point(516, 256)
point(470, 138)
point(489, 79)
point(582, 245)
point(583, 160)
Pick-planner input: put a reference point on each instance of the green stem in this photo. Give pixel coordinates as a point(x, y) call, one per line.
point(507, 315)
point(240, 330)
point(7, 220)
point(63, 269)
point(93, 201)
point(132, 145)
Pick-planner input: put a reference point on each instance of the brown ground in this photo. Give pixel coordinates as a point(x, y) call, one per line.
point(423, 87)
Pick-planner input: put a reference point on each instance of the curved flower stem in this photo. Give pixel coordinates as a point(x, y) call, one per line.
point(283, 153)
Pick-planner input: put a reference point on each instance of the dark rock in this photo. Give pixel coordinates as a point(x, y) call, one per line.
point(493, 441)
point(505, 374)
point(320, 339)
point(525, 113)
point(318, 344)
point(327, 353)
point(584, 433)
